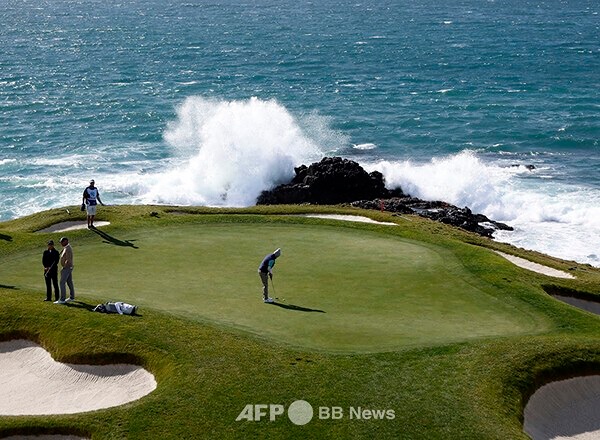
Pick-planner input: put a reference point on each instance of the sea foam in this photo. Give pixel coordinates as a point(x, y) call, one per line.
point(227, 152)
point(548, 216)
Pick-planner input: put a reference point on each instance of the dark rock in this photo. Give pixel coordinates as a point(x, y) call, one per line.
point(335, 180)
point(300, 174)
point(439, 211)
point(528, 167)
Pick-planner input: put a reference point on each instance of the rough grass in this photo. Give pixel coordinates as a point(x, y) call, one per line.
point(209, 366)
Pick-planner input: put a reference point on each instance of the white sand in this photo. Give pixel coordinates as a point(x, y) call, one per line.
point(535, 267)
point(349, 218)
point(71, 226)
point(32, 383)
point(566, 409)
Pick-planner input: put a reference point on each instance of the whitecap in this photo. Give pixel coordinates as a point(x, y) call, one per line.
point(366, 146)
point(548, 215)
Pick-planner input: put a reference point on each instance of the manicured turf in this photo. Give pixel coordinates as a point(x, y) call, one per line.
point(420, 319)
point(340, 289)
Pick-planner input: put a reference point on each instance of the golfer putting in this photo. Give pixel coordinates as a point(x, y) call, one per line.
point(265, 271)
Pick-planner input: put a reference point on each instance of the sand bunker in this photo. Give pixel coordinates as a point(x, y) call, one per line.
point(32, 383)
point(535, 267)
point(566, 409)
point(349, 218)
point(71, 226)
point(584, 304)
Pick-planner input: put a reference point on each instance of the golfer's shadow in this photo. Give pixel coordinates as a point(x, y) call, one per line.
point(112, 240)
point(296, 308)
point(80, 305)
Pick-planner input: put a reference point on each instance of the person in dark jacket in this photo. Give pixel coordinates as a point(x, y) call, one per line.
point(265, 271)
point(50, 259)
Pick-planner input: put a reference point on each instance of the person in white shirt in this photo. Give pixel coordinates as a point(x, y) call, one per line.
point(91, 197)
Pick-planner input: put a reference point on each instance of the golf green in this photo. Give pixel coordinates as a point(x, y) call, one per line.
point(339, 289)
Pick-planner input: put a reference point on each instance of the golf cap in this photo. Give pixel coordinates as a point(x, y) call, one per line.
point(277, 252)
point(51, 242)
point(92, 181)
point(63, 239)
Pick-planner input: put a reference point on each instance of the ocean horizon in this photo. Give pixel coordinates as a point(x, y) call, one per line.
point(210, 103)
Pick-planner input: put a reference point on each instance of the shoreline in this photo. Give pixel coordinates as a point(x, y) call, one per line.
point(65, 226)
point(73, 225)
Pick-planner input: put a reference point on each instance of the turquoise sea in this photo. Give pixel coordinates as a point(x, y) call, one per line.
point(210, 102)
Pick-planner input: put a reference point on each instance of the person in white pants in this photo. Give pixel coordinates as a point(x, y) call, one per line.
point(91, 197)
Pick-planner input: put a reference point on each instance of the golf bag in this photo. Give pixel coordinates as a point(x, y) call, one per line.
point(116, 307)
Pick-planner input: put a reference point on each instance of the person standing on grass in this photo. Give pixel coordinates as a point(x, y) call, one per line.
point(265, 271)
point(66, 273)
point(91, 197)
point(50, 259)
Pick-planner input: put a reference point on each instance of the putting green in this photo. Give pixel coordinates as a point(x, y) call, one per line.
point(345, 289)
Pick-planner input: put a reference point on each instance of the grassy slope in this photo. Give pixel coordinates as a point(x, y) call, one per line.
point(207, 372)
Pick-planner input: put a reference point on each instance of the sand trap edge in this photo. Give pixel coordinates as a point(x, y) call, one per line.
point(535, 267)
point(348, 218)
point(584, 304)
point(26, 368)
point(71, 226)
point(564, 409)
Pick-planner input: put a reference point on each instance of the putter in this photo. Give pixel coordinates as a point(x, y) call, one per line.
point(273, 286)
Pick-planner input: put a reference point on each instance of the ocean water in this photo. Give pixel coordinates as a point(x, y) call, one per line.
point(210, 102)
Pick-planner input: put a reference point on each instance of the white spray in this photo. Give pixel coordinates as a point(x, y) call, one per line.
point(227, 152)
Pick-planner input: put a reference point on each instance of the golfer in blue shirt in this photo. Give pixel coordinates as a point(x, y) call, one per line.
point(265, 270)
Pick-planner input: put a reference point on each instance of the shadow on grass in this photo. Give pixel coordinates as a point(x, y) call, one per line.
point(5, 237)
point(91, 307)
point(296, 308)
point(112, 240)
point(80, 305)
point(4, 286)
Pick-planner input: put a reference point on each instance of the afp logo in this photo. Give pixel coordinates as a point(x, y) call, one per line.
point(299, 412)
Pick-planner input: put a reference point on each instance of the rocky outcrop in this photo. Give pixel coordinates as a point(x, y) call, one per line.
point(331, 181)
point(335, 180)
point(439, 211)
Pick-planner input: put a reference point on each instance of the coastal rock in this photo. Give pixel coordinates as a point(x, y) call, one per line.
point(437, 210)
point(335, 180)
point(331, 181)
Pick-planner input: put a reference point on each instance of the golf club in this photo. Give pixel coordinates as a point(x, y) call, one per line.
point(48, 271)
point(273, 286)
